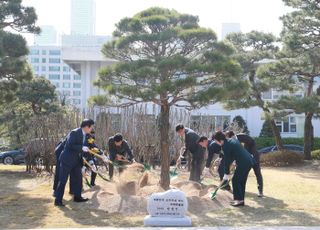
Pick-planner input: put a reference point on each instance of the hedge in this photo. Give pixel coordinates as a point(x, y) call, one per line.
point(281, 159)
point(268, 141)
point(315, 154)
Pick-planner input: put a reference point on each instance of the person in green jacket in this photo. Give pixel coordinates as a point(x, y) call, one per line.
point(233, 151)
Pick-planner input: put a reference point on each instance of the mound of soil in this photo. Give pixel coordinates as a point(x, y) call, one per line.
point(129, 191)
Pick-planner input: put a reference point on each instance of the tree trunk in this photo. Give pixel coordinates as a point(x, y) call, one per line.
point(308, 133)
point(164, 146)
point(276, 134)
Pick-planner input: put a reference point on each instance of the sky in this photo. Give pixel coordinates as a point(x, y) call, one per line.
point(262, 15)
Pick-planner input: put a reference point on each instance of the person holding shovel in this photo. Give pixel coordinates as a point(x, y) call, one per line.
point(197, 152)
point(119, 151)
point(213, 148)
point(233, 151)
point(90, 143)
point(250, 145)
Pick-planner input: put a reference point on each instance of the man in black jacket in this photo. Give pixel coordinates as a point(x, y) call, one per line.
point(213, 148)
point(197, 152)
point(233, 151)
point(58, 150)
point(119, 151)
point(71, 162)
point(250, 145)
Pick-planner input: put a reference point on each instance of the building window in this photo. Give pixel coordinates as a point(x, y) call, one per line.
point(34, 60)
point(54, 60)
point(54, 76)
point(66, 69)
point(34, 52)
point(77, 93)
point(54, 68)
point(44, 60)
point(76, 77)
point(76, 85)
point(66, 77)
point(66, 85)
point(287, 125)
point(56, 84)
point(66, 93)
point(43, 68)
point(36, 68)
point(76, 101)
point(44, 52)
point(54, 52)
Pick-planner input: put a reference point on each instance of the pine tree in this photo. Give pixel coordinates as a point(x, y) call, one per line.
point(166, 58)
point(299, 60)
point(13, 47)
point(253, 49)
point(266, 130)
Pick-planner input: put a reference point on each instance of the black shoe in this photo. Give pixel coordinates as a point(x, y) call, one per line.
point(71, 193)
point(58, 204)
point(80, 199)
point(92, 185)
point(260, 194)
point(237, 204)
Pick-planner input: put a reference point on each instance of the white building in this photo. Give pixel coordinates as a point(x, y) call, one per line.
point(47, 37)
point(46, 61)
point(86, 62)
point(83, 17)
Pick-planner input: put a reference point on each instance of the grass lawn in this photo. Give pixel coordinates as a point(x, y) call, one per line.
point(292, 198)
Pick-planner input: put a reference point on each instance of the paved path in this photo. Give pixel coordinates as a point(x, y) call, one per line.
point(196, 228)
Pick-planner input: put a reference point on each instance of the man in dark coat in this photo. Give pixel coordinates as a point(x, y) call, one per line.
point(213, 148)
point(119, 151)
point(197, 152)
point(71, 162)
point(58, 150)
point(250, 145)
point(233, 151)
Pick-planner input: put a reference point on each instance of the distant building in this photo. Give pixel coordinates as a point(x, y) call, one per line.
point(83, 40)
point(48, 36)
point(74, 86)
point(86, 62)
point(46, 61)
point(228, 28)
point(83, 17)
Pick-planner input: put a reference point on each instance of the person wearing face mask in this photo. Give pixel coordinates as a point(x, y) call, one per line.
point(197, 152)
point(233, 151)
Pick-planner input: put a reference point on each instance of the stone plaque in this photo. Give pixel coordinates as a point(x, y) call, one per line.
point(172, 203)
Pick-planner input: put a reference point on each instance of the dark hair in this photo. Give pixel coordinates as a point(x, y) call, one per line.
point(179, 127)
point(213, 135)
point(118, 137)
point(202, 138)
point(219, 136)
point(87, 122)
point(230, 134)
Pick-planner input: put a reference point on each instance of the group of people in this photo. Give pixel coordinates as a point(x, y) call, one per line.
point(76, 152)
point(239, 150)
